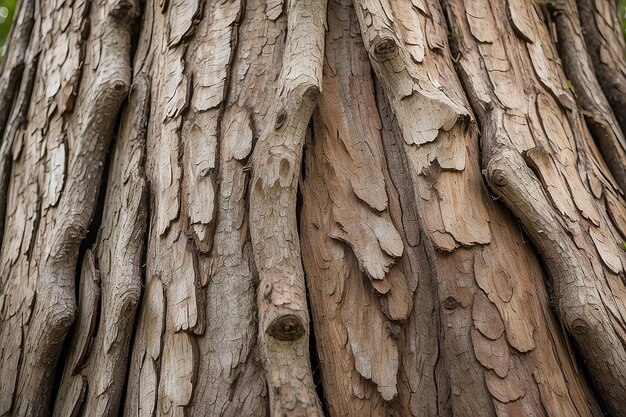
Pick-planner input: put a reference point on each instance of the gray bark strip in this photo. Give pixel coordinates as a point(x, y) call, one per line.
point(95, 371)
point(75, 143)
point(198, 257)
point(282, 304)
point(230, 379)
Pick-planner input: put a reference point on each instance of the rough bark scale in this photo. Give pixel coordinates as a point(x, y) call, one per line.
point(417, 205)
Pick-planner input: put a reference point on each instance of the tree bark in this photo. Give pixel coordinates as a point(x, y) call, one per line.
point(307, 208)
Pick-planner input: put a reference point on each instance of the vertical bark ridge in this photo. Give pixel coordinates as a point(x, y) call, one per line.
point(423, 383)
point(399, 60)
point(192, 144)
point(607, 48)
point(188, 89)
point(352, 250)
point(13, 130)
point(95, 371)
point(61, 191)
point(230, 376)
point(579, 69)
point(541, 160)
point(283, 313)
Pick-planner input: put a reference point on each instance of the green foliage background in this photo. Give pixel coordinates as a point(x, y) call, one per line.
point(7, 8)
point(622, 16)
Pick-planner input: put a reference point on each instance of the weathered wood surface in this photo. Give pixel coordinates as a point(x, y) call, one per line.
point(230, 208)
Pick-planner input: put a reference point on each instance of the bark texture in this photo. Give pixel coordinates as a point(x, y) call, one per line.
point(307, 208)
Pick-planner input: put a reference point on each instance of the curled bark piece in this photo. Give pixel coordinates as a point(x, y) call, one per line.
point(283, 315)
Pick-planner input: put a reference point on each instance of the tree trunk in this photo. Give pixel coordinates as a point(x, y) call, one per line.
point(307, 208)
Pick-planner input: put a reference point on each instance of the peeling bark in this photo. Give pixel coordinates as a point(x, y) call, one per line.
point(539, 157)
point(421, 202)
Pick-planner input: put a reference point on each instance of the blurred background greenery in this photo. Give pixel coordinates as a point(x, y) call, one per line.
point(622, 16)
point(7, 8)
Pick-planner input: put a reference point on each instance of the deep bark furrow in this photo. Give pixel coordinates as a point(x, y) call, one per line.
point(99, 372)
point(13, 129)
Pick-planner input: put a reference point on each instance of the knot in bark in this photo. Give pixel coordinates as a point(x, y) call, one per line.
point(385, 49)
point(498, 178)
point(580, 327)
point(267, 290)
point(286, 327)
point(281, 117)
point(450, 303)
point(312, 93)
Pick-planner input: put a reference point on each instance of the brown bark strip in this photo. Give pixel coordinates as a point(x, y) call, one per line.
point(607, 48)
point(99, 372)
point(492, 307)
point(351, 247)
point(283, 315)
point(579, 69)
point(540, 159)
point(423, 385)
point(410, 72)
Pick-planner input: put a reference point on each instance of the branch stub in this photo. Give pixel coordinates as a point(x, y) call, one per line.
point(287, 327)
